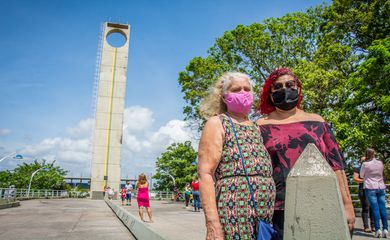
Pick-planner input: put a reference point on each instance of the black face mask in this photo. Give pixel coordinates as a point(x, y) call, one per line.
point(285, 98)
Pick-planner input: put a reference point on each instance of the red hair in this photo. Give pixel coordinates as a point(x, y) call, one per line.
point(265, 104)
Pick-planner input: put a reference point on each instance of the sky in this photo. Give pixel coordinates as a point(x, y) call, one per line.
point(48, 55)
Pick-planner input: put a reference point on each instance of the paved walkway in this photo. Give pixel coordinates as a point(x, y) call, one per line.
point(62, 219)
point(173, 222)
point(74, 219)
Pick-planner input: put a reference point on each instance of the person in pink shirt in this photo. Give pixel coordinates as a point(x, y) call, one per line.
point(374, 186)
point(143, 197)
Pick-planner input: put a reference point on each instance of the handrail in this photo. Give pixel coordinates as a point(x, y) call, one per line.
point(13, 194)
point(355, 196)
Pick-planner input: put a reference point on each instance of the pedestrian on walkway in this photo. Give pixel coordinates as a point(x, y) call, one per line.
point(143, 197)
point(110, 193)
point(129, 188)
point(196, 193)
point(187, 193)
point(224, 172)
point(366, 210)
point(123, 195)
point(286, 131)
point(374, 186)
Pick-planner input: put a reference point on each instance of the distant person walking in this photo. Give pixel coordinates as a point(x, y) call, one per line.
point(123, 195)
point(374, 185)
point(366, 210)
point(143, 197)
point(128, 188)
point(187, 193)
point(196, 194)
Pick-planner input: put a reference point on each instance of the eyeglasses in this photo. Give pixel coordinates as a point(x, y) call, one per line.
point(287, 84)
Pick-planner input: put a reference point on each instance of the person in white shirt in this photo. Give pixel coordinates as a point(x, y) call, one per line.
point(374, 186)
point(128, 188)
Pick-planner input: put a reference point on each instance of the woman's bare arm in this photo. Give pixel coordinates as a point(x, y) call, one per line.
point(356, 178)
point(209, 154)
point(346, 196)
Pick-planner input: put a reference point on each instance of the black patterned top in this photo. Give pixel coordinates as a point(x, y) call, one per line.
point(286, 142)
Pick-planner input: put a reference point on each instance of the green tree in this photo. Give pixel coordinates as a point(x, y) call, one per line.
point(341, 54)
point(362, 115)
point(256, 49)
point(178, 160)
point(50, 178)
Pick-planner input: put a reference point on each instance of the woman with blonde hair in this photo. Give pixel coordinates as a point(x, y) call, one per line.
point(234, 166)
point(143, 197)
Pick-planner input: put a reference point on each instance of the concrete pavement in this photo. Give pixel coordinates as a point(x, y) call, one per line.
point(74, 219)
point(174, 222)
point(62, 219)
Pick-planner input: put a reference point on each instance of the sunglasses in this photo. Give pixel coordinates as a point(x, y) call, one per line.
point(288, 84)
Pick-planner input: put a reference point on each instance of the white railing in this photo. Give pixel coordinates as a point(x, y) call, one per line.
point(12, 194)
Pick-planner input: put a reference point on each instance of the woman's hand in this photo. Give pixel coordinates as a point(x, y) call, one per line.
point(214, 231)
point(350, 214)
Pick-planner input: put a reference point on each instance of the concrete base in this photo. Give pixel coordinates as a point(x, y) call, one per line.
point(136, 227)
point(97, 195)
point(313, 206)
point(9, 205)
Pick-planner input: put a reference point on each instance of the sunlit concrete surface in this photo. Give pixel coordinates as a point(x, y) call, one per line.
point(60, 219)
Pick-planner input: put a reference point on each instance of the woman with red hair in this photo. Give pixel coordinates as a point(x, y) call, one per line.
point(287, 129)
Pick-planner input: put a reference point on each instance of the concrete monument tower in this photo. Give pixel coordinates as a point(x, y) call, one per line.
point(107, 138)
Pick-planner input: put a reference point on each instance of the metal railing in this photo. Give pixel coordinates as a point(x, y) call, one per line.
point(161, 195)
point(12, 194)
point(355, 196)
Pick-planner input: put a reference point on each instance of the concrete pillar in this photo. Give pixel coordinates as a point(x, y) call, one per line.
point(314, 208)
point(107, 142)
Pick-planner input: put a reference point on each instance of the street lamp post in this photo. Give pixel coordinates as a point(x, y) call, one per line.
point(32, 175)
point(174, 184)
point(173, 179)
point(7, 156)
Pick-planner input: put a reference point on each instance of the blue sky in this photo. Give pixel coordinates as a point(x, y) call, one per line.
point(47, 63)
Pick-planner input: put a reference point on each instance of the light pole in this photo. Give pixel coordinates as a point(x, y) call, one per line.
point(32, 175)
point(17, 156)
point(173, 179)
point(174, 184)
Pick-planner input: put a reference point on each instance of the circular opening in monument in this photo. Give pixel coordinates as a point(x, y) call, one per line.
point(116, 38)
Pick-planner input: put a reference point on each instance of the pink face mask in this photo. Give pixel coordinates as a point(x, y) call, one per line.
point(240, 102)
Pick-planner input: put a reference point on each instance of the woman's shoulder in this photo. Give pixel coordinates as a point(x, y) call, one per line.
point(214, 123)
point(264, 120)
point(297, 118)
point(312, 117)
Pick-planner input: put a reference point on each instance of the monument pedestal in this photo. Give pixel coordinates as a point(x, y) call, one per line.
point(314, 208)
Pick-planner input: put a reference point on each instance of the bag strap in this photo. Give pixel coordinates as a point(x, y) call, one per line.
point(243, 163)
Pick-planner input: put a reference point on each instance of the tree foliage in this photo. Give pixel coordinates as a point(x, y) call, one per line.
point(179, 161)
point(341, 54)
point(50, 178)
point(256, 49)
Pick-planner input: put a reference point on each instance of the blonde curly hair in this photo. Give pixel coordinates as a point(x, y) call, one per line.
point(213, 104)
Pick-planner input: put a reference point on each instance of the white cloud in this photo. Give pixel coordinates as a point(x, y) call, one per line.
point(83, 129)
point(141, 144)
point(5, 131)
point(137, 119)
